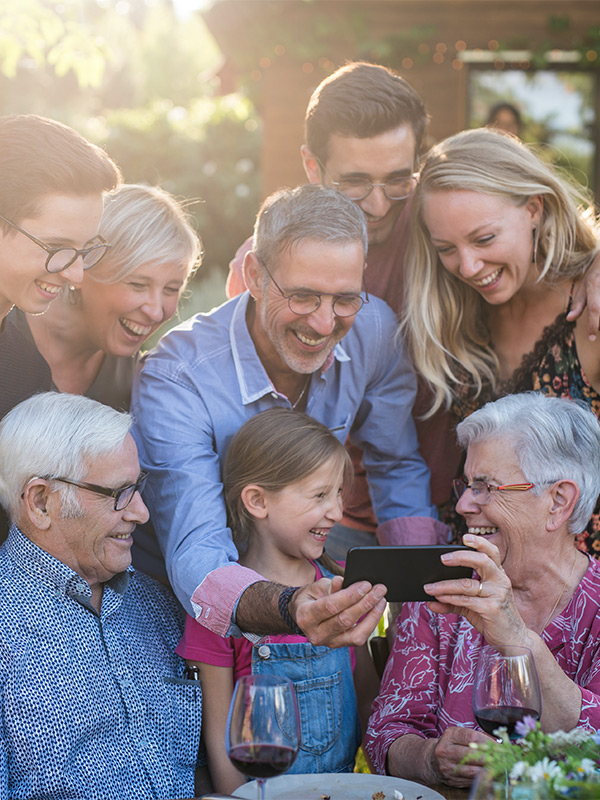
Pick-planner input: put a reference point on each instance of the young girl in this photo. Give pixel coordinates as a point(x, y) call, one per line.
point(283, 478)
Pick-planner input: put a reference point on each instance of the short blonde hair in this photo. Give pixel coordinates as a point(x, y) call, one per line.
point(145, 225)
point(444, 320)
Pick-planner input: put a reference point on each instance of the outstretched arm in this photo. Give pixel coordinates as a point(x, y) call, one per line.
point(326, 613)
point(587, 294)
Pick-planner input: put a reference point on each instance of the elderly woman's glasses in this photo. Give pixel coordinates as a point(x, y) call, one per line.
point(304, 303)
point(481, 491)
point(123, 497)
point(60, 258)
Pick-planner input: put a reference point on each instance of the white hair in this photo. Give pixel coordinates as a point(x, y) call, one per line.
point(555, 439)
point(55, 435)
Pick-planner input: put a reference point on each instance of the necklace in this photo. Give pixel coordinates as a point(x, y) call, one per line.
point(301, 395)
point(564, 586)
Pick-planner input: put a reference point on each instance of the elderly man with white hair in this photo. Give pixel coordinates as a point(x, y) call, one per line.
point(94, 702)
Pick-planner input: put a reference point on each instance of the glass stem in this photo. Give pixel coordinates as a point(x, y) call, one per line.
point(261, 788)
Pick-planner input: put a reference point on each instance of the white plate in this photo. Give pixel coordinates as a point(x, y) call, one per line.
point(338, 785)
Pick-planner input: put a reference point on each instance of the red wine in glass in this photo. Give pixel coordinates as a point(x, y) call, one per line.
point(506, 688)
point(489, 719)
point(262, 760)
point(263, 727)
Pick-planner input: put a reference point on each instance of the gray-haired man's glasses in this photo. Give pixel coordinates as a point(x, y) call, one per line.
point(123, 497)
point(304, 303)
point(60, 258)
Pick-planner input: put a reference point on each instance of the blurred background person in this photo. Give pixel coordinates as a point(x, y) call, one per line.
point(505, 117)
point(91, 335)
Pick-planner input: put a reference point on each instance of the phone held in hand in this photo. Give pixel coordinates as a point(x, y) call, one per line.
point(403, 570)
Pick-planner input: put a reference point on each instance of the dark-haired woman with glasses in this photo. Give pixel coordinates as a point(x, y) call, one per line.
point(90, 336)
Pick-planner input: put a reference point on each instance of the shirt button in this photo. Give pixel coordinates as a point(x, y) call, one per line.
point(264, 651)
point(274, 395)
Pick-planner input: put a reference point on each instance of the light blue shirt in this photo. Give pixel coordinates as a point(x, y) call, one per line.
point(205, 379)
point(93, 706)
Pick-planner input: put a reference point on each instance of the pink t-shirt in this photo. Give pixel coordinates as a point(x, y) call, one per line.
point(200, 644)
point(428, 681)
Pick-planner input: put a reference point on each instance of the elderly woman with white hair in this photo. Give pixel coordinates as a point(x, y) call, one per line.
point(530, 482)
point(91, 334)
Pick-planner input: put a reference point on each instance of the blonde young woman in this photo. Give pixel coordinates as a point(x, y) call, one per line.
point(500, 244)
point(91, 334)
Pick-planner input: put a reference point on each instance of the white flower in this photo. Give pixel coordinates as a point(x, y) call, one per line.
point(519, 769)
point(546, 769)
point(587, 766)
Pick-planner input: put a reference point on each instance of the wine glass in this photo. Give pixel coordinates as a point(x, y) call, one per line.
point(506, 688)
point(263, 727)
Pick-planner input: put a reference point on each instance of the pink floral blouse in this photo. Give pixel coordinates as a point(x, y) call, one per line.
point(428, 682)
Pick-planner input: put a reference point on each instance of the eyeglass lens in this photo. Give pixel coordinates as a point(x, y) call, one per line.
point(479, 490)
point(343, 306)
point(63, 258)
point(125, 496)
point(395, 189)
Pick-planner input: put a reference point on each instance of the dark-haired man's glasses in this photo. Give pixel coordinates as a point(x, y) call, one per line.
point(304, 303)
point(60, 258)
point(123, 497)
point(481, 491)
point(396, 187)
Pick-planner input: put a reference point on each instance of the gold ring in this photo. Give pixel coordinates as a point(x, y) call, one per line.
point(479, 590)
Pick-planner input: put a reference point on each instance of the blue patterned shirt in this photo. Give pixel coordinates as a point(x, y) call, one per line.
point(94, 707)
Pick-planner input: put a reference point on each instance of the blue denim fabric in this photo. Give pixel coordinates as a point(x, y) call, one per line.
point(322, 677)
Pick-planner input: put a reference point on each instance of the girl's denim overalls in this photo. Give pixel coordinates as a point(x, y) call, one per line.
point(322, 677)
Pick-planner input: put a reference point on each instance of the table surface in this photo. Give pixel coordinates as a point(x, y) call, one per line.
point(449, 792)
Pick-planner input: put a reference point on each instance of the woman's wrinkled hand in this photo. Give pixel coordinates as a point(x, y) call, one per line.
point(487, 603)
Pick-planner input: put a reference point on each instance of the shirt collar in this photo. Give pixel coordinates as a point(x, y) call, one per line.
point(53, 573)
point(252, 377)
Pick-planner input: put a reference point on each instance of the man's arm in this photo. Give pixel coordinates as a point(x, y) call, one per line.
point(176, 441)
point(587, 294)
point(384, 428)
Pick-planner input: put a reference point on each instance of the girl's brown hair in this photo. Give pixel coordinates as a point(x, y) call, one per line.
point(274, 449)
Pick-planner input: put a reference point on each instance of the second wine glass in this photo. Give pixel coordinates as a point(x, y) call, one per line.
point(506, 688)
point(263, 727)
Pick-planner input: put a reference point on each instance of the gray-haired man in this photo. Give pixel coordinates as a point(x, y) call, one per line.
point(280, 344)
point(94, 705)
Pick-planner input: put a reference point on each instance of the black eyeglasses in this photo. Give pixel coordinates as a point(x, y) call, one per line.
point(398, 187)
point(123, 497)
point(304, 303)
point(481, 490)
point(60, 258)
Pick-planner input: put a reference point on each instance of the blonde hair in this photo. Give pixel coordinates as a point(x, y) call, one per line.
point(145, 225)
point(273, 450)
point(444, 320)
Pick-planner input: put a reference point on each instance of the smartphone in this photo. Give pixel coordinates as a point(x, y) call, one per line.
point(403, 570)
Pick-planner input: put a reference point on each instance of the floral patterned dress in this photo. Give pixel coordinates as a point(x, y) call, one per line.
point(552, 367)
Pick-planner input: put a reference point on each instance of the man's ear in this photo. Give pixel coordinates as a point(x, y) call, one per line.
point(564, 494)
point(311, 165)
point(253, 274)
point(34, 503)
point(253, 497)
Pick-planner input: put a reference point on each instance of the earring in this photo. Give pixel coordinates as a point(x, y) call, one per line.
point(535, 245)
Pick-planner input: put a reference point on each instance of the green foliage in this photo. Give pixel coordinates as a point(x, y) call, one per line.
point(562, 761)
point(207, 153)
point(50, 33)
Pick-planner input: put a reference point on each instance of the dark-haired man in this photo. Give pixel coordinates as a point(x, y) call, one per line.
point(364, 128)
